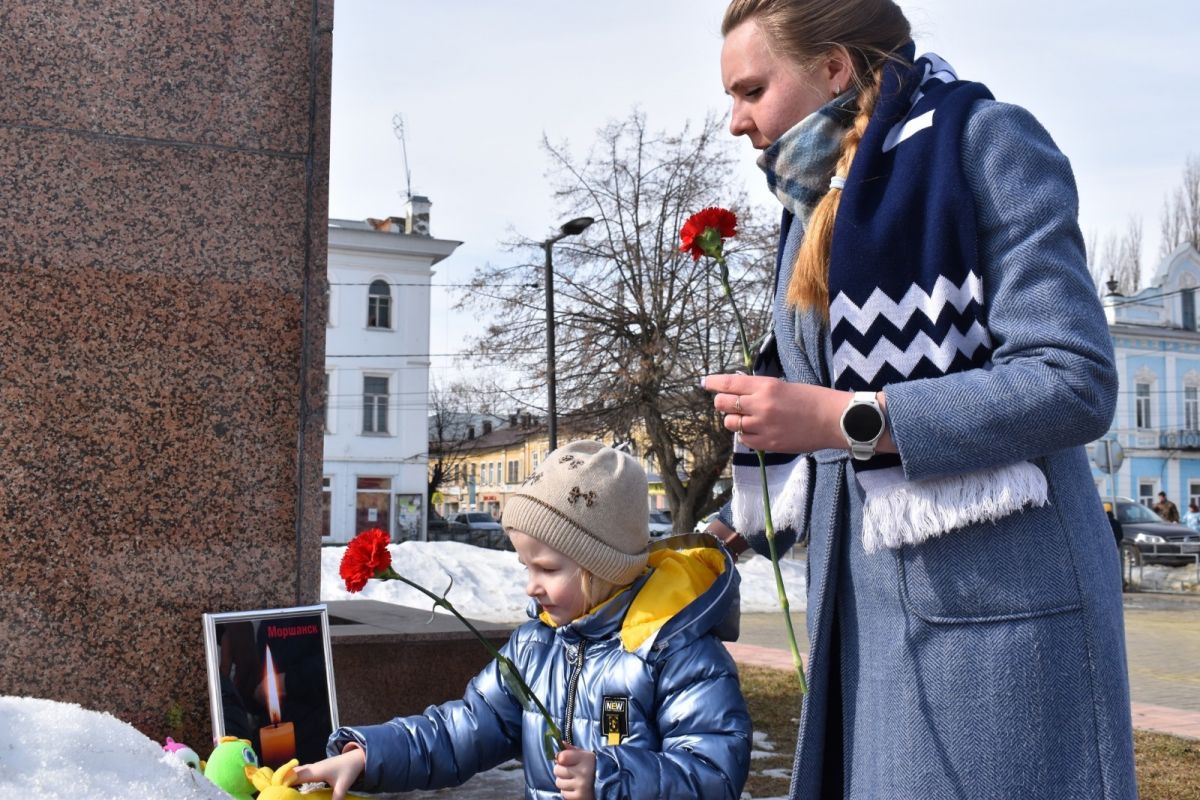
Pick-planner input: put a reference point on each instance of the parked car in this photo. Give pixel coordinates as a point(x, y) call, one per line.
point(1154, 540)
point(703, 523)
point(660, 524)
point(485, 531)
point(441, 529)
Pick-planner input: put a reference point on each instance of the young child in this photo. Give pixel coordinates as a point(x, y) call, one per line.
point(623, 650)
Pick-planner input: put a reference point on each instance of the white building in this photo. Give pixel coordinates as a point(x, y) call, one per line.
point(377, 372)
point(1156, 340)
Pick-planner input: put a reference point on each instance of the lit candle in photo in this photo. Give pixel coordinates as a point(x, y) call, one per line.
point(277, 740)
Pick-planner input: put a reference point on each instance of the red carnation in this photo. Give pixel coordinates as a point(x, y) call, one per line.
point(366, 557)
point(705, 232)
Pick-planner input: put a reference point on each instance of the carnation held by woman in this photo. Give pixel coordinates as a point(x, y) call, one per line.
point(944, 359)
point(704, 234)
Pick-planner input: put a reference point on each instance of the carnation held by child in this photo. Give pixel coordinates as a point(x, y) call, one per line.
point(623, 647)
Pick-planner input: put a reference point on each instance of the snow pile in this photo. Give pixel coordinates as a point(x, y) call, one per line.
point(489, 585)
point(1159, 578)
point(59, 750)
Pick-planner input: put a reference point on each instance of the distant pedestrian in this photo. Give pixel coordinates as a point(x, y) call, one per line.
point(1115, 524)
point(1166, 509)
point(1192, 517)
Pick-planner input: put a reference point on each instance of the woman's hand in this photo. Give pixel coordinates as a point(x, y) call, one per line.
point(575, 773)
point(772, 414)
point(340, 772)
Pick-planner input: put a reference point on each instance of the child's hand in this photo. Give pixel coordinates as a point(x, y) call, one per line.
point(575, 773)
point(340, 772)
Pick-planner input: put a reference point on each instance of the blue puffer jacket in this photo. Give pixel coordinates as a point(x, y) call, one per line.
point(651, 656)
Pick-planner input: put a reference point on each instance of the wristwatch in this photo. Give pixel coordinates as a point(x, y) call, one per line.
point(863, 424)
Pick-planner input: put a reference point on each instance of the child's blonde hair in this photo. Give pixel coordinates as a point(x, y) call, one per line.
point(596, 590)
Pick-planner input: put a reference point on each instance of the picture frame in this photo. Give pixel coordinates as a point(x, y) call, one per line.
point(270, 681)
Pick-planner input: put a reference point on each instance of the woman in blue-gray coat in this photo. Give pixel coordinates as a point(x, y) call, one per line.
point(623, 650)
point(945, 358)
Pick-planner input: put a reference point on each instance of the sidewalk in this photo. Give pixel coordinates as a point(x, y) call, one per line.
point(1162, 636)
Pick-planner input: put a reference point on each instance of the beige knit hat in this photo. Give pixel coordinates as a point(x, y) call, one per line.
point(588, 502)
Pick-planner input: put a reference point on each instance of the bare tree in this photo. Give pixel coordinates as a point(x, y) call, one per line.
point(451, 413)
point(637, 321)
point(1118, 259)
point(1091, 248)
point(1180, 220)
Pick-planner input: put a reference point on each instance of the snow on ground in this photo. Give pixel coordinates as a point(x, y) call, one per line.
point(56, 750)
point(1158, 578)
point(59, 750)
point(490, 584)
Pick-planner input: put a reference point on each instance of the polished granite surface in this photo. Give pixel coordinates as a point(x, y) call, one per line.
point(162, 256)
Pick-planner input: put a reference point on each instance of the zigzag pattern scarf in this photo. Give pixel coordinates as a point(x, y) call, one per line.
point(907, 294)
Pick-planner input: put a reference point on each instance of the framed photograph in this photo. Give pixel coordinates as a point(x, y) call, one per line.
point(270, 680)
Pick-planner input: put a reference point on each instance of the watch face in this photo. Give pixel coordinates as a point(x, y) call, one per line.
point(862, 422)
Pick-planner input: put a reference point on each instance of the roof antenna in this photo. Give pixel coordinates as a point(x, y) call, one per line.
point(398, 130)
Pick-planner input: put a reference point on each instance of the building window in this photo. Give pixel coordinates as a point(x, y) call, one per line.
point(326, 507)
point(1142, 405)
point(1188, 297)
point(379, 305)
point(373, 504)
point(535, 460)
point(1193, 494)
point(514, 472)
point(1191, 408)
point(1146, 493)
point(375, 404)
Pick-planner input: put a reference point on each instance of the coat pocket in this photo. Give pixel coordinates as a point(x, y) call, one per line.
point(1016, 567)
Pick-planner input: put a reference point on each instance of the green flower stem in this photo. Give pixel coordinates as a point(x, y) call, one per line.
point(747, 359)
point(779, 590)
point(391, 574)
point(766, 495)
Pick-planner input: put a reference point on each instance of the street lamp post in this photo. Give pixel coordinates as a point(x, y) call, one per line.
point(571, 228)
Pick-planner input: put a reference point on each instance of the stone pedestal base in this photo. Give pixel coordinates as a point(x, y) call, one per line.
point(391, 661)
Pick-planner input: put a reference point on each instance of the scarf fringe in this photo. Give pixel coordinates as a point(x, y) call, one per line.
point(897, 512)
point(788, 486)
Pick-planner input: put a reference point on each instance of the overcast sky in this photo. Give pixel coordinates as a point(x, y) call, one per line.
point(479, 81)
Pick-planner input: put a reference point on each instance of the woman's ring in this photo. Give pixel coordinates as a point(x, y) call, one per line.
point(741, 419)
point(737, 403)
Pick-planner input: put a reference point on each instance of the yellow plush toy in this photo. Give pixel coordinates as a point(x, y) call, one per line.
point(277, 785)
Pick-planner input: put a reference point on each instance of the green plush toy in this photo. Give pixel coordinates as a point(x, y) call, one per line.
point(226, 767)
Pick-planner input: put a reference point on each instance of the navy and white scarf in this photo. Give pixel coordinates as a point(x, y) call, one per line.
point(814, 142)
point(907, 297)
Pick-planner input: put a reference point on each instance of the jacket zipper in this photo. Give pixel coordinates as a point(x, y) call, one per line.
point(572, 686)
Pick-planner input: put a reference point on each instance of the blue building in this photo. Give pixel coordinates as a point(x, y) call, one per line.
point(1157, 421)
